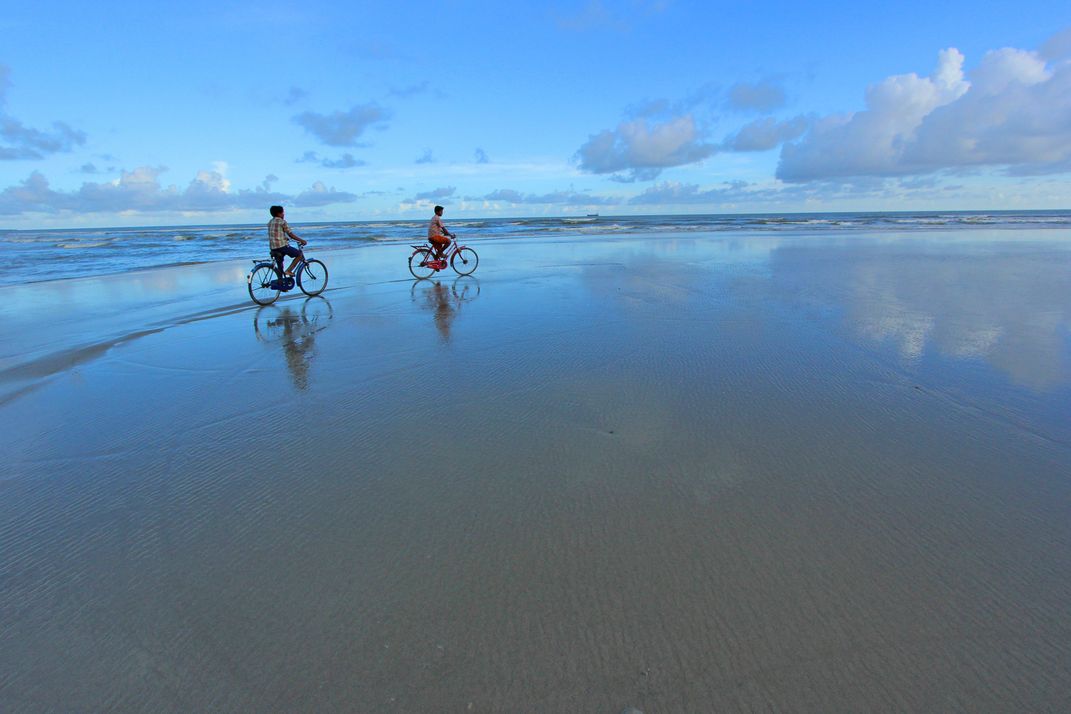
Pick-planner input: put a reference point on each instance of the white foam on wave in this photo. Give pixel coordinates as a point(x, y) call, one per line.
point(75, 246)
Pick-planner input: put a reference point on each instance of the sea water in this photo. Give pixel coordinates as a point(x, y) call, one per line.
point(38, 255)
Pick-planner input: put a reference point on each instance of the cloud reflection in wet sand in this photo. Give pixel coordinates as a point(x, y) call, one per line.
point(1011, 309)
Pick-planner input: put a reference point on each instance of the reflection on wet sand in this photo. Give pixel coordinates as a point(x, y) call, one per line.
point(670, 482)
point(444, 302)
point(1011, 309)
point(295, 331)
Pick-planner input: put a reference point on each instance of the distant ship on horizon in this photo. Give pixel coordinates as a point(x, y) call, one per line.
point(589, 218)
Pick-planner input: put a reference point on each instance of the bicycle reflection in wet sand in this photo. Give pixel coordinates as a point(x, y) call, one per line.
point(295, 330)
point(444, 302)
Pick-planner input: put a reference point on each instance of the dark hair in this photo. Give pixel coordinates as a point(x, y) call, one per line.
point(275, 211)
point(438, 209)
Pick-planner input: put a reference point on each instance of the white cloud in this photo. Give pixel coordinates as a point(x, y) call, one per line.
point(140, 191)
point(346, 161)
point(1017, 114)
point(435, 194)
point(1014, 112)
point(643, 149)
point(343, 128)
point(766, 133)
point(322, 195)
point(1058, 46)
point(22, 142)
point(761, 96)
point(674, 193)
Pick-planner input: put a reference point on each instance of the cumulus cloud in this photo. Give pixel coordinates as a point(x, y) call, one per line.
point(140, 191)
point(676, 193)
point(435, 194)
point(1014, 111)
point(480, 156)
point(642, 148)
point(426, 158)
point(346, 161)
point(1058, 46)
point(766, 133)
point(662, 109)
point(343, 128)
point(18, 141)
point(322, 195)
point(760, 97)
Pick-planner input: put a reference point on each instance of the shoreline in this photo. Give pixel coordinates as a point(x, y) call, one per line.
point(149, 247)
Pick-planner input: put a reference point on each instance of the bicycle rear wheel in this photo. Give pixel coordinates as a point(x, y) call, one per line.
point(259, 283)
point(464, 261)
point(418, 264)
point(312, 278)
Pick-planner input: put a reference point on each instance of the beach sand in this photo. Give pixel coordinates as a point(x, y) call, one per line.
point(680, 474)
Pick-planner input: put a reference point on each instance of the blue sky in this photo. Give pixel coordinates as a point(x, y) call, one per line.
point(145, 114)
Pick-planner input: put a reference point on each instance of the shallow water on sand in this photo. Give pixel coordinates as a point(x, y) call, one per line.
point(690, 474)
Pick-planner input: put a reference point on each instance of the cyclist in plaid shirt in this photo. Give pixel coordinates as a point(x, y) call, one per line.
point(278, 230)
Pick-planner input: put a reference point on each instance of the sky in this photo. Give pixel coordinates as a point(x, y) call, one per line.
point(134, 113)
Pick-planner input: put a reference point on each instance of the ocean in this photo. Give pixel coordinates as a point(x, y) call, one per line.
point(40, 255)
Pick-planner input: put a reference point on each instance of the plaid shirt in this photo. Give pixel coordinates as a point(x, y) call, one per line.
point(277, 230)
point(435, 228)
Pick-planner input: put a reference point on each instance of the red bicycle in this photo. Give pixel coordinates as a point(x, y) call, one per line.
point(423, 263)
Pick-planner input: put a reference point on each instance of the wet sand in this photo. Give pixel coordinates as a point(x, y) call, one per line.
point(679, 474)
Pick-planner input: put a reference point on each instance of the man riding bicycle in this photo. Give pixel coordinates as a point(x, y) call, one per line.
point(278, 230)
point(438, 236)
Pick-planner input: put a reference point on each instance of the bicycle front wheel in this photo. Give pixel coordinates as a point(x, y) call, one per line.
point(418, 264)
point(464, 261)
point(260, 284)
point(312, 279)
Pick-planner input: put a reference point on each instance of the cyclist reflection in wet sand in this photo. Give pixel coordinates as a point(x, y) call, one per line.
point(295, 333)
point(299, 346)
point(445, 302)
point(445, 312)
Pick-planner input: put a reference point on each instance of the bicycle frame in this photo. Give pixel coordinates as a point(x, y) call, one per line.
point(449, 253)
point(265, 290)
point(423, 265)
